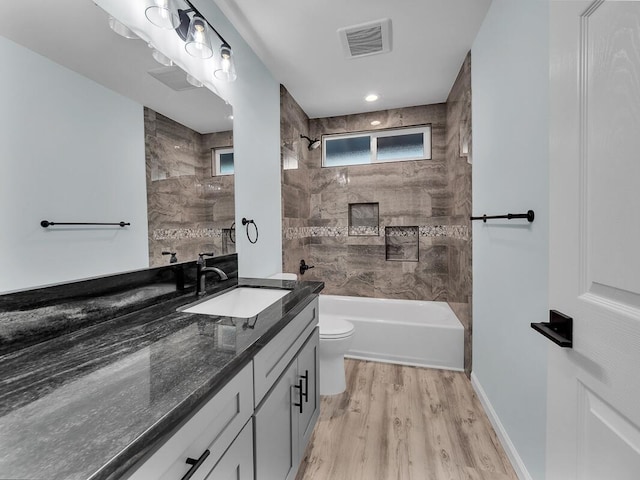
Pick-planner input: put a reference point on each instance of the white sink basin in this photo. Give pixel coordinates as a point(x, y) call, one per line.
point(240, 302)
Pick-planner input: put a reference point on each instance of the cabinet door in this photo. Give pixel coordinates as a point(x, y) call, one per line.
point(276, 430)
point(275, 356)
point(308, 371)
point(237, 462)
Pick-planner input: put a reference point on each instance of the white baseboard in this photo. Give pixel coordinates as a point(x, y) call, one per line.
point(507, 444)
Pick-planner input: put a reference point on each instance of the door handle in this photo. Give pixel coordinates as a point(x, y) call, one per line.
point(559, 329)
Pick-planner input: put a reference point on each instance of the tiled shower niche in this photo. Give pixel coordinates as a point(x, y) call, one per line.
point(364, 219)
point(402, 244)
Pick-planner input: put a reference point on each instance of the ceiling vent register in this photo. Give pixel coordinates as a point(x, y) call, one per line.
point(366, 39)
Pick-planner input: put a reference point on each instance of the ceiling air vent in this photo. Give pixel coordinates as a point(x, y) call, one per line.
point(173, 77)
point(366, 39)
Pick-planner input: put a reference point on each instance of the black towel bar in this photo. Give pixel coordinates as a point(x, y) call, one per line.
point(529, 216)
point(47, 223)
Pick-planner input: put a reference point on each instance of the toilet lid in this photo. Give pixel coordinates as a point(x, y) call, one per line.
point(334, 327)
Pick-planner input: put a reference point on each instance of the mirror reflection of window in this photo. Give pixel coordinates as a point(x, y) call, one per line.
point(223, 161)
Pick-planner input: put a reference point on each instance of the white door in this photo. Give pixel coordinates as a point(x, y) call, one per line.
point(594, 389)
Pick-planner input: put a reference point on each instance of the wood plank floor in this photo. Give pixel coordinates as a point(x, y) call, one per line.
point(401, 423)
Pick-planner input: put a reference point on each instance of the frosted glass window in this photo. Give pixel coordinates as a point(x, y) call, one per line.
point(397, 145)
point(222, 161)
point(347, 151)
point(400, 147)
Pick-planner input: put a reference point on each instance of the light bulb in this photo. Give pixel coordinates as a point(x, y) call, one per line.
point(198, 44)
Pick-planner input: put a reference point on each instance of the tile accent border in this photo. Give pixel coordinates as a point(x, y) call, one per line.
point(361, 231)
point(181, 233)
point(460, 232)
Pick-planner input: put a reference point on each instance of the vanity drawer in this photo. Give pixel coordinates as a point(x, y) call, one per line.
point(212, 428)
point(271, 361)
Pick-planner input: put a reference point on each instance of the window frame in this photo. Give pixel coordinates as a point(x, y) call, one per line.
point(425, 129)
point(215, 161)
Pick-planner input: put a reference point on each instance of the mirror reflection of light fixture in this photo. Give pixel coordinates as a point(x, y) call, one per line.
point(163, 14)
point(198, 38)
point(121, 29)
point(227, 69)
point(194, 81)
point(160, 57)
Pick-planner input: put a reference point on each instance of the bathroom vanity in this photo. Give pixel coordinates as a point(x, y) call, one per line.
point(274, 399)
point(153, 391)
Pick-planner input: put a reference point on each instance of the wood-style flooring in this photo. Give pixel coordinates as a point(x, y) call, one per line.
point(398, 422)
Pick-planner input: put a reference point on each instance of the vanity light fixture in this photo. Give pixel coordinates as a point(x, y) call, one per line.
point(371, 97)
point(195, 30)
point(198, 39)
point(227, 70)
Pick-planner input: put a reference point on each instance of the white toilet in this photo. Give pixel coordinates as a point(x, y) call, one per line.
point(336, 335)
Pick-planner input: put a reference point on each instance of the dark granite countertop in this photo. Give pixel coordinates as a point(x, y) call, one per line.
point(91, 403)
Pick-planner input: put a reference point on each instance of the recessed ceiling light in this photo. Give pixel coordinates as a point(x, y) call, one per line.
point(375, 123)
point(371, 98)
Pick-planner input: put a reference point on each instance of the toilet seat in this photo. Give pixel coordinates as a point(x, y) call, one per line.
point(335, 328)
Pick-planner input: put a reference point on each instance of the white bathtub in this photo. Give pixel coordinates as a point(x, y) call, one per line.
point(409, 332)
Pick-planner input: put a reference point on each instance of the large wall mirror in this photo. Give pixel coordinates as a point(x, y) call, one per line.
point(189, 207)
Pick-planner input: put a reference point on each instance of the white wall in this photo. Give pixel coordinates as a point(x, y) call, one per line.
point(510, 258)
point(255, 97)
point(70, 151)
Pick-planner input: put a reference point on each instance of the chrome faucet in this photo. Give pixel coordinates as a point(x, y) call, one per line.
point(201, 273)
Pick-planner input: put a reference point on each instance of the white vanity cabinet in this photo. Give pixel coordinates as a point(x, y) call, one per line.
point(280, 388)
point(284, 420)
point(209, 437)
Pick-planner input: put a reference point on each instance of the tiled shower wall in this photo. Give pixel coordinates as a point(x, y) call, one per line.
point(188, 209)
point(295, 182)
point(431, 199)
point(459, 157)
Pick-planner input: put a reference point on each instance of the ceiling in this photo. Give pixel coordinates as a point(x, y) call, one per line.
point(298, 41)
point(76, 34)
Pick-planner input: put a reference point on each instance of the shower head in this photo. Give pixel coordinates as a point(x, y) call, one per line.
point(313, 144)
